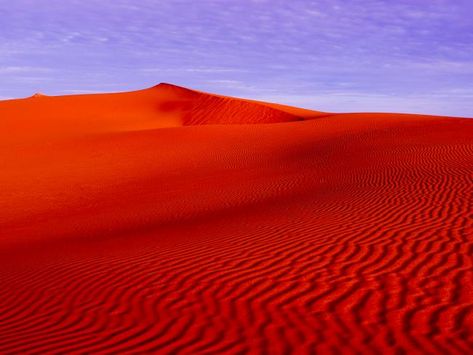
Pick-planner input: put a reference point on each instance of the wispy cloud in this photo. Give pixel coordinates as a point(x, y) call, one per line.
point(441, 103)
point(205, 70)
point(23, 69)
point(83, 91)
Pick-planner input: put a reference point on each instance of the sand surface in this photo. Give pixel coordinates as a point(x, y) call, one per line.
point(174, 221)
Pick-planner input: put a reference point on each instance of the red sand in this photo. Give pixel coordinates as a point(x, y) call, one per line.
point(170, 220)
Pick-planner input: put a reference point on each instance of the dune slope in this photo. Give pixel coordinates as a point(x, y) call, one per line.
point(174, 221)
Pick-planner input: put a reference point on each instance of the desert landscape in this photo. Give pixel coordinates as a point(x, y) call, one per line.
point(169, 220)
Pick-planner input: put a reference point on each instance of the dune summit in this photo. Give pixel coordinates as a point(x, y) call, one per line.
point(169, 220)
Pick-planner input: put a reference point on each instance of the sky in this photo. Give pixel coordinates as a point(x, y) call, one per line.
point(330, 55)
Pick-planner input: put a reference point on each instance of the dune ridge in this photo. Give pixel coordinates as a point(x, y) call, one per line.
point(173, 221)
point(164, 105)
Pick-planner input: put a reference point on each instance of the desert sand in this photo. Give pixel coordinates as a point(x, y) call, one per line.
point(175, 221)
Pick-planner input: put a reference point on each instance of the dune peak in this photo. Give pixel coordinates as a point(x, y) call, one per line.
point(164, 84)
point(38, 95)
point(172, 87)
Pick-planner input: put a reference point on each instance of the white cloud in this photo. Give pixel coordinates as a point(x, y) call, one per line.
point(438, 104)
point(23, 69)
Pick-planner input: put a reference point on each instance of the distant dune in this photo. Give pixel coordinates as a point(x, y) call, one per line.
point(169, 220)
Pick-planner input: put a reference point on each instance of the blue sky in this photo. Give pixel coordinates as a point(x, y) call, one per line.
point(332, 55)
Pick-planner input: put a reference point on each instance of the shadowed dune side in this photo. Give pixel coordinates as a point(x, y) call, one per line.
point(197, 108)
point(345, 233)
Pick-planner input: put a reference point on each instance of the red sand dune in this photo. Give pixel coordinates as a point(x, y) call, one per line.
point(175, 221)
